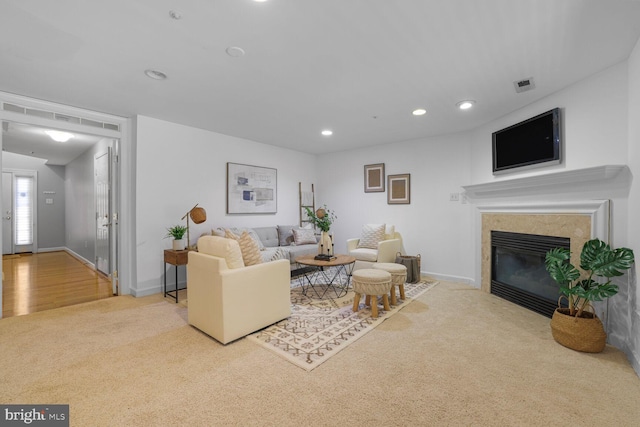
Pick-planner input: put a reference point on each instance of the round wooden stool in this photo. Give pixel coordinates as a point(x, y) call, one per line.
point(398, 277)
point(371, 282)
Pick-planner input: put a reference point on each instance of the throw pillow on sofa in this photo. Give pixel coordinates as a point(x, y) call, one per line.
point(224, 248)
point(372, 234)
point(303, 236)
point(285, 233)
point(251, 232)
point(248, 247)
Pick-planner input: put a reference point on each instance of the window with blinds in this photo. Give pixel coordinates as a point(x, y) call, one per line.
point(23, 208)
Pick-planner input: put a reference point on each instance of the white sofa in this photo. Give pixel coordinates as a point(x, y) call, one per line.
point(386, 250)
point(228, 300)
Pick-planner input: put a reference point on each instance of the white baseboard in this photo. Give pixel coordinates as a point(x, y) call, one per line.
point(146, 291)
point(151, 287)
point(450, 278)
point(70, 252)
point(81, 258)
point(61, 248)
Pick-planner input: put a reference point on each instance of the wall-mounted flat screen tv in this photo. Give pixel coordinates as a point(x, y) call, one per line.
point(532, 143)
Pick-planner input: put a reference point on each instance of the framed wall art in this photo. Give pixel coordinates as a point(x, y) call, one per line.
point(399, 189)
point(251, 189)
point(374, 178)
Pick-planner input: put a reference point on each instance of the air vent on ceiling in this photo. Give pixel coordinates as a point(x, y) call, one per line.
point(524, 85)
point(56, 116)
point(67, 118)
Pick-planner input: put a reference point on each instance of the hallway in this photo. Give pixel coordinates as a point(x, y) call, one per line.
point(37, 282)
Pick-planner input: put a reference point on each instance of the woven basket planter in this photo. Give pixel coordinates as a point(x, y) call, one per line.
point(584, 334)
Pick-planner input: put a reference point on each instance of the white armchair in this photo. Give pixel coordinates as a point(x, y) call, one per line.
point(227, 300)
point(385, 250)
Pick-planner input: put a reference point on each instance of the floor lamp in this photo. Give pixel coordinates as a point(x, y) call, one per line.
point(198, 216)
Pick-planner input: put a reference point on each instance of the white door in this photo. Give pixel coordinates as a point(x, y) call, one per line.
point(24, 211)
point(19, 211)
point(7, 213)
point(103, 212)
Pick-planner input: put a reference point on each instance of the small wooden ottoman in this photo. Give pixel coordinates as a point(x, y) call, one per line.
point(398, 277)
point(371, 282)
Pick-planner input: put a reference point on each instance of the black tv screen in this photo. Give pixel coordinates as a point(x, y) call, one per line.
point(531, 143)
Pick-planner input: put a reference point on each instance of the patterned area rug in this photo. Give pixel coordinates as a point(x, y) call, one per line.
point(320, 328)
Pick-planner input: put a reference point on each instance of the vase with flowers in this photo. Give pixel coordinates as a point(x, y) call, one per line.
point(322, 218)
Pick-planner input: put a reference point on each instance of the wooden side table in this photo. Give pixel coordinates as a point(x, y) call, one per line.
point(175, 258)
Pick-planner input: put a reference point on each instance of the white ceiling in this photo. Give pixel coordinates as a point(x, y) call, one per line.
point(358, 67)
point(32, 141)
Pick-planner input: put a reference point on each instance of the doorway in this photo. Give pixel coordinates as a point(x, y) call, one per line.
point(77, 208)
point(18, 109)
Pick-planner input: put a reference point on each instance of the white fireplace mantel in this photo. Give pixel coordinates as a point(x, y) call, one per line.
point(558, 181)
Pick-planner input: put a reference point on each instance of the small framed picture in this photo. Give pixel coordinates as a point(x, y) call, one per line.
point(399, 189)
point(374, 178)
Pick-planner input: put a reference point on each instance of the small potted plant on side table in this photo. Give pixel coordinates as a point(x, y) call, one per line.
point(177, 232)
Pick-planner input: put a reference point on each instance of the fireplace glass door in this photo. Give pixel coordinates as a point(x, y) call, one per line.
point(518, 273)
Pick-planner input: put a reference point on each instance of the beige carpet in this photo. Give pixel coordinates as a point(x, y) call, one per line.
point(320, 328)
point(454, 356)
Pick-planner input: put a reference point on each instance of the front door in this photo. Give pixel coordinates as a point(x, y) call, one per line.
point(19, 211)
point(24, 211)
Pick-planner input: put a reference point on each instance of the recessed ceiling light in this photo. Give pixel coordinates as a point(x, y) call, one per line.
point(259, 1)
point(327, 132)
point(59, 136)
point(175, 15)
point(466, 104)
point(235, 51)
point(155, 74)
point(419, 112)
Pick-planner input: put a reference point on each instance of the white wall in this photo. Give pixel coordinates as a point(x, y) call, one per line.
point(443, 232)
point(432, 226)
point(179, 166)
point(594, 113)
point(80, 215)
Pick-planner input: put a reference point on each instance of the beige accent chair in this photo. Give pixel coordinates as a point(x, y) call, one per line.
point(227, 300)
point(385, 252)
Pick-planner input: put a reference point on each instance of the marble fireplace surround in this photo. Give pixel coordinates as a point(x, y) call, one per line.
point(579, 221)
point(553, 208)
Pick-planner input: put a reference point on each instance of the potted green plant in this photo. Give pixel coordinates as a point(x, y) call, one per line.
point(177, 232)
point(322, 218)
point(574, 326)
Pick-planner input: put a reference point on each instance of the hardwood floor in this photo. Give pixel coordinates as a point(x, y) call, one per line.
point(37, 282)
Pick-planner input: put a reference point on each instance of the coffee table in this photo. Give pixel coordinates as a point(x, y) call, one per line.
point(332, 275)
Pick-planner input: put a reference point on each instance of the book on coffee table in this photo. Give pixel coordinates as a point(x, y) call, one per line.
point(323, 257)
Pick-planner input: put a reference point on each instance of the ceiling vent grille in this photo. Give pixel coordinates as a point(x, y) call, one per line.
point(60, 117)
point(524, 85)
point(68, 119)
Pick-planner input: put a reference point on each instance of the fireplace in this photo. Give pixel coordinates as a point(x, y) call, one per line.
point(518, 273)
point(576, 222)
